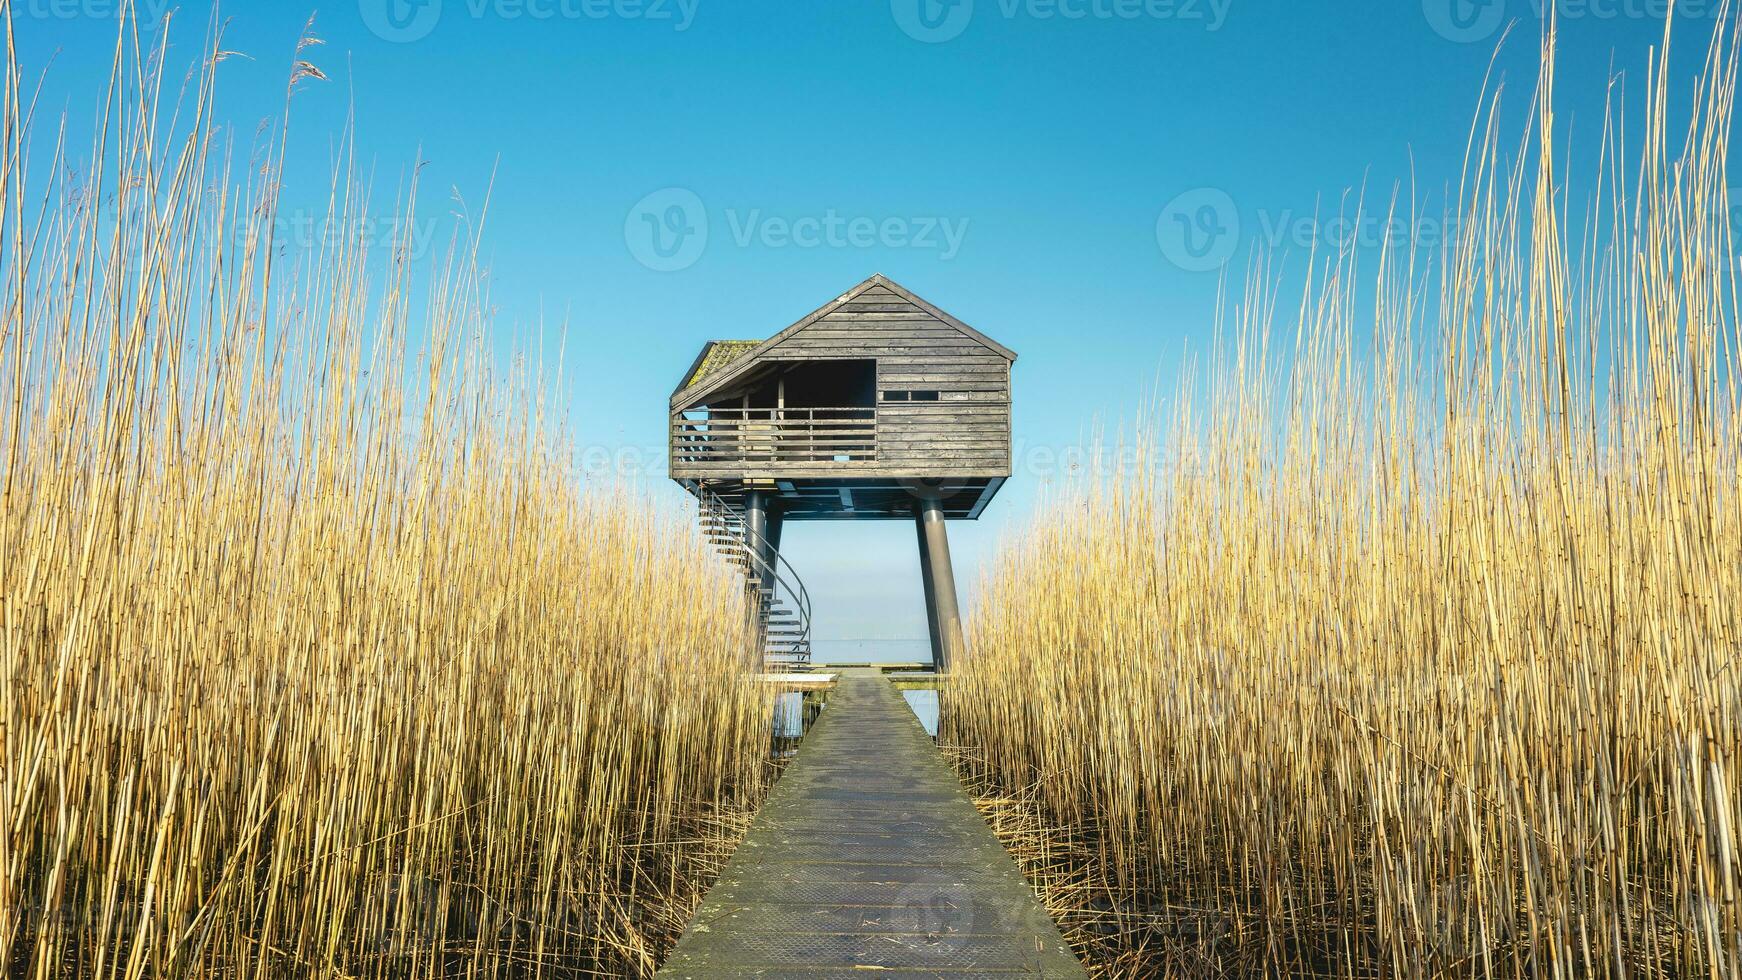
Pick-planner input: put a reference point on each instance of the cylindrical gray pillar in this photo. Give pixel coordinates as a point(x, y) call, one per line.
point(931, 598)
point(756, 525)
point(935, 553)
point(755, 536)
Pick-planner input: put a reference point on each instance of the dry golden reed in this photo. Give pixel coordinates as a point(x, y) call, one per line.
point(1412, 651)
point(316, 661)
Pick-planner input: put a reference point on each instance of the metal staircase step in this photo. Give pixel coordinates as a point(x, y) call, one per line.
point(778, 602)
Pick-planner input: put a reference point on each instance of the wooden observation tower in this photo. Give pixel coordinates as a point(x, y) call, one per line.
point(877, 406)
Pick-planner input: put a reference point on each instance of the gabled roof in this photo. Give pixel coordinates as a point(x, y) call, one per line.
point(716, 356)
point(703, 379)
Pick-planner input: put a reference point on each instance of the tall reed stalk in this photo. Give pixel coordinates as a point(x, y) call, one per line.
point(1412, 651)
point(316, 660)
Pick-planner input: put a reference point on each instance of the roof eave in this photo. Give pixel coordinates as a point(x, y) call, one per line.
point(690, 372)
point(692, 395)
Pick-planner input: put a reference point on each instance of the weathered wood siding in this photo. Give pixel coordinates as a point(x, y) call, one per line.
point(967, 430)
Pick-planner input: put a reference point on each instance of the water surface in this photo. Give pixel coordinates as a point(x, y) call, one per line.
point(925, 705)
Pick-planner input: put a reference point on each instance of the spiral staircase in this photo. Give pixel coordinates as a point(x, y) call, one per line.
point(780, 608)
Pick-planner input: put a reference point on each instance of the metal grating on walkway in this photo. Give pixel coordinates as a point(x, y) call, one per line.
point(870, 860)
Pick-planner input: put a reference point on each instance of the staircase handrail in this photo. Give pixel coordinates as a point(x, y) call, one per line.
point(757, 551)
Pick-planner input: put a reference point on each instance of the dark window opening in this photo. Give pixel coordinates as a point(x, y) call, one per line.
point(830, 384)
point(808, 385)
point(910, 396)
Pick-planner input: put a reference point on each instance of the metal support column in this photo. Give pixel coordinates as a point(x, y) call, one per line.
point(755, 536)
point(756, 524)
point(931, 597)
point(941, 578)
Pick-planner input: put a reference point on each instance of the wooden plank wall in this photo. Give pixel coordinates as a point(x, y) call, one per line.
point(966, 430)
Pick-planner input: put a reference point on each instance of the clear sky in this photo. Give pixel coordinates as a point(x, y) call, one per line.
point(1068, 176)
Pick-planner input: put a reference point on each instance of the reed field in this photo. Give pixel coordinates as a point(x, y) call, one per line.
point(317, 659)
point(1409, 645)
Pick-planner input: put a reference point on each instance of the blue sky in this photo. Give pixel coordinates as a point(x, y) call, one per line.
point(1069, 176)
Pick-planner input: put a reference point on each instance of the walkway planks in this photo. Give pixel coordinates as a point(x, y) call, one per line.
point(869, 860)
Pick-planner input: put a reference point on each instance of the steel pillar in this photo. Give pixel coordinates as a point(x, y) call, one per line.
point(755, 547)
point(940, 580)
point(756, 528)
point(931, 598)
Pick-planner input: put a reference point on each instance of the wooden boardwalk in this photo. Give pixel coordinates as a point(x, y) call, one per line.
point(869, 860)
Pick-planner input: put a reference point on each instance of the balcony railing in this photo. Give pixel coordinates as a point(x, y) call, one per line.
point(775, 435)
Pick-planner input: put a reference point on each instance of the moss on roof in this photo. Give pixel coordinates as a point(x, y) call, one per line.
point(717, 356)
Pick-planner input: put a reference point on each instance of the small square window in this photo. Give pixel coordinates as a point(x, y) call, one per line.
point(923, 396)
point(895, 396)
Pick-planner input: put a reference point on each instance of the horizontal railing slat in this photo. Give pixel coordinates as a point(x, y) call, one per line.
point(776, 435)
